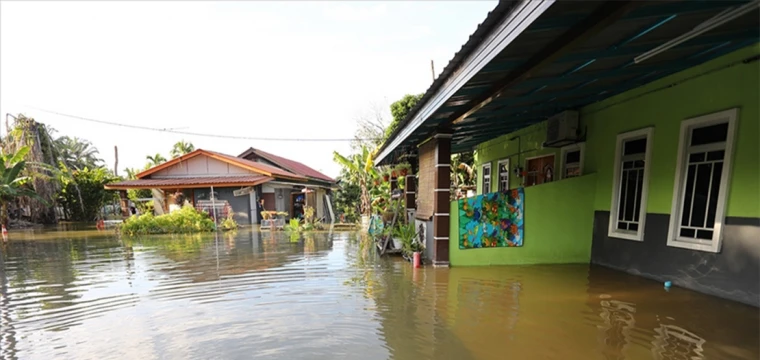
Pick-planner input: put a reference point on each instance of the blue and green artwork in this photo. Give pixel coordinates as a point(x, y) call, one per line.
point(492, 220)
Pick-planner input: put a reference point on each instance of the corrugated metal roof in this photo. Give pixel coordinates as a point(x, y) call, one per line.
point(291, 165)
point(268, 168)
point(522, 85)
point(194, 182)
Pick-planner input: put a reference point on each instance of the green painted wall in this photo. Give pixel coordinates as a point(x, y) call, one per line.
point(559, 215)
point(559, 218)
point(500, 148)
point(714, 86)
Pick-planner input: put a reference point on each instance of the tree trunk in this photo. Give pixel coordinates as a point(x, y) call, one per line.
point(4, 214)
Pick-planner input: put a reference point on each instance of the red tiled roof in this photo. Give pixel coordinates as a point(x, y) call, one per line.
point(260, 168)
point(193, 182)
point(291, 165)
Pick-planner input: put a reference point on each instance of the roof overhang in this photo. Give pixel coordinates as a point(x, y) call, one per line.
point(190, 182)
point(530, 60)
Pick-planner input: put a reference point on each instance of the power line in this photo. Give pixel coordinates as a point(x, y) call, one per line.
point(189, 133)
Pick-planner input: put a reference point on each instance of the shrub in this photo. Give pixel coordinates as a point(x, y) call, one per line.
point(294, 225)
point(229, 223)
point(186, 220)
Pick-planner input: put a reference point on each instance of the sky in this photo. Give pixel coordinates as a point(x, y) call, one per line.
point(244, 68)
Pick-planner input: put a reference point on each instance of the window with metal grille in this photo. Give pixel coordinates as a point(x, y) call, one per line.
point(503, 175)
point(628, 209)
point(486, 179)
point(699, 196)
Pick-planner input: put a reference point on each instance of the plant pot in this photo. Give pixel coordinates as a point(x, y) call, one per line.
point(386, 177)
point(393, 174)
point(404, 172)
point(387, 216)
point(397, 243)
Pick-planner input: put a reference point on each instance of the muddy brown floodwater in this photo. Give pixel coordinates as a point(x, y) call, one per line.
point(93, 295)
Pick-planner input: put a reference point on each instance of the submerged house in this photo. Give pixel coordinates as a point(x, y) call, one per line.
point(237, 183)
point(628, 130)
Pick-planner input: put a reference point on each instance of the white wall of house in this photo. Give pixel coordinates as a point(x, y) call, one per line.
point(200, 165)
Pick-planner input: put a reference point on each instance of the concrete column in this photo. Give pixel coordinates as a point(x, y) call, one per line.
point(441, 200)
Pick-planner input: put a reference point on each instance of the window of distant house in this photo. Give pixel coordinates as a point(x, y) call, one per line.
point(572, 160)
point(486, 178)
point(539, 170)
point(630, 184)
point(702, 171)
point(503, 175)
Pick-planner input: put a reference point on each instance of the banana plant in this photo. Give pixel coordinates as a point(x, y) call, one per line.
point(12, 184)
point(361, 170)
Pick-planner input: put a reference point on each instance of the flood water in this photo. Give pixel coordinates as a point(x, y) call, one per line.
point(93, 295)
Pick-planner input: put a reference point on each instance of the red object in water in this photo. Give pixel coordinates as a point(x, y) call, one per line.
point(5, 233)
point(100, 225)
point(416, 259)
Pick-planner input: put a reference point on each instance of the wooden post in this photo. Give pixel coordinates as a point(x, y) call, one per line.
point(441, 199)
point(116, 160)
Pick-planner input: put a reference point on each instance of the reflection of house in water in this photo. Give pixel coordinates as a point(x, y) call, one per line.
point(675, 343)
point(237, 182)
point(618, 320)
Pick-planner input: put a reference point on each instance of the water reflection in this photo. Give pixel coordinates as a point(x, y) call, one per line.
point(88, 294)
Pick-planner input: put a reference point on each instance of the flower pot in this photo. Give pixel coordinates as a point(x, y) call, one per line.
point(393, 174)
point(387, 216)
point(397, 243)
point(386, 177)
point(404, 172)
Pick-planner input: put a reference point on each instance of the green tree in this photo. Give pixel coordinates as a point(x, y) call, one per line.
point(359, 169)
point(348, 197)
point(85, 204)
point(181, 148)
point(135, 194)
point(12, 184)
point(76, 153)
point(399, 110)
point(156, 159)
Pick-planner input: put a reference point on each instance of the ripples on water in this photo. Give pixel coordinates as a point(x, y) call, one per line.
point(90, 295)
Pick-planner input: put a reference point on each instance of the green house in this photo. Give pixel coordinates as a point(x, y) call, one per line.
point(632, 127)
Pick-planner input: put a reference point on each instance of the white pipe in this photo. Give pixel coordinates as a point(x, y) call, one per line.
point(213, 205)
point(700, 29)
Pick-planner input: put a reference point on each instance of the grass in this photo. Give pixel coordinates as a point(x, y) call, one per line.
point(183, 221)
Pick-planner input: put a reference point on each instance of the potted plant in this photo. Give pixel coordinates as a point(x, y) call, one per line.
point(403, 169)
point(386, 175)
point(406, 233)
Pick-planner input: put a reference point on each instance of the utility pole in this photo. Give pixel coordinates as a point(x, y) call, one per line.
point(432, 69)
point(116, 162)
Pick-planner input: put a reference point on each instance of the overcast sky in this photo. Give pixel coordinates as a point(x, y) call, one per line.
point(259, 69)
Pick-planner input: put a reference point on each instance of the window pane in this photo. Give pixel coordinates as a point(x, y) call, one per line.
point(699, 209)
point(622, 226)
point(621, 194)
point(638, 146)
point(698, 157)
point(573, 157)
point(627, 164)
point(715, 155)
point(639, 188)
point(689, 233)
point(704, 234)
point(630, 194)
point(686, 209)
point(709, 134)
point(714, 191)
point(633, 227)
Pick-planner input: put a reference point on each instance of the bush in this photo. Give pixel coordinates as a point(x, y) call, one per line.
point(229, 223)
point(91, 184)
point(185, 220)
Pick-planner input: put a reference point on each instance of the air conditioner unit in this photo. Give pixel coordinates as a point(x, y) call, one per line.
point(562, 129)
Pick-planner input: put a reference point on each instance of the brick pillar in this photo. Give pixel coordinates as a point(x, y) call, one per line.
point(124, 202)
point(442, 198)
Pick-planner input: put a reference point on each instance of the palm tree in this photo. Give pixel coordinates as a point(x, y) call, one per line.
point(12, 185)
point(360, 170)
point(181, 148)
point(156, 159)
point(77, 153)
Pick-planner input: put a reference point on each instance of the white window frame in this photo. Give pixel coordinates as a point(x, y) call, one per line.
point(684, 139)
point(498, 168)
point(613, 232)
point(569, 148)
point(483, 189)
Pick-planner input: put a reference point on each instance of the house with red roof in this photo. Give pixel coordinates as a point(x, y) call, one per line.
point(223, 184)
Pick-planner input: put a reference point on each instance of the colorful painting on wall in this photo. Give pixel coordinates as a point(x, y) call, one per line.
point(492, 220)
